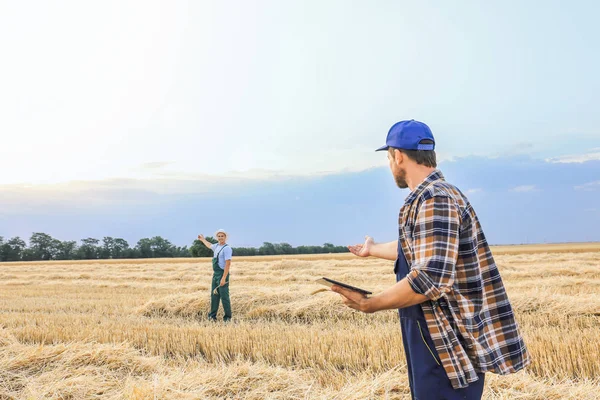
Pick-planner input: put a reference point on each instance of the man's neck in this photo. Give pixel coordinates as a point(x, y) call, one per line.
point(417, 176)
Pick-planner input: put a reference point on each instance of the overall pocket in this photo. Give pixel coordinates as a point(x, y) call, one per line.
point(427, 344)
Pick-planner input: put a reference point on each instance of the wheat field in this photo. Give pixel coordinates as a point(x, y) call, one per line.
point(137, 329)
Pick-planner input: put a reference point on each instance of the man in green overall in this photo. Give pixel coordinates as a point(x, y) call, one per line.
point(220, 282)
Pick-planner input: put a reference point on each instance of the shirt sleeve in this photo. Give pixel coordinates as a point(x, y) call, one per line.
point(213, 246)
point(435, 247)
point(228, 253)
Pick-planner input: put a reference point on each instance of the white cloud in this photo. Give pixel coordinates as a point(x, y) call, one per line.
point(474, 190)
point(158, 181)
point(155, 164)
point(524, 188)
point(595, 185)
point(577, 158)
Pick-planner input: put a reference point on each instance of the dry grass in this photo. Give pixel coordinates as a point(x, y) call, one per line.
point(138, 330)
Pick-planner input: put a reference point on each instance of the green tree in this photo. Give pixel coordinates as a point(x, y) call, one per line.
point(182, 252)
point(89, 249)
point(113, 247)
point(144, 247)
point(305, 249)
point(267, 249)
point(67, 250)
point(29, 254)
point(132, 252)
point(162, 247)
point(120, 248)
point(286, 248)
point(43, 246)
point(13, 249)
point(108, 244)
point(245, 251)
point(341, 249)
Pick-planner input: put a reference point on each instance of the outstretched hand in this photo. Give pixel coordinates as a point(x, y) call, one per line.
point(362, 250)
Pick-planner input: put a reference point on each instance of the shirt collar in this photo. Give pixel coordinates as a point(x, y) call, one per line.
point(435, 175)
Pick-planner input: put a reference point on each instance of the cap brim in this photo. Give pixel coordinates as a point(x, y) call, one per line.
point(383, 148)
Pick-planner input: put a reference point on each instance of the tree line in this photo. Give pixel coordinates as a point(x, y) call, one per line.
point(44, 247)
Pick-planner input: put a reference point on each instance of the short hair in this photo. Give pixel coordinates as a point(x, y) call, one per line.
point(421, 157)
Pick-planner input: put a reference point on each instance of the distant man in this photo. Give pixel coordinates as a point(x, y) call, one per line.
point(455, 317)
point(221, 263)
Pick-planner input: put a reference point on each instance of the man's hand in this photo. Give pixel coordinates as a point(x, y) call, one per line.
point(223, 281)
point(362, 250)
point(352, 299)
point(201, 237)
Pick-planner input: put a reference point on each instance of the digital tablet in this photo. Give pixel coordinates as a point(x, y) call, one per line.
point(330, 282)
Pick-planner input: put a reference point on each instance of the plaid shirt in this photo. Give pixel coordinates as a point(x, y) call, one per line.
point(468, 313)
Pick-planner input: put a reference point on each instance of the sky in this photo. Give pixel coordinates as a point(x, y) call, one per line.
point(134, 119)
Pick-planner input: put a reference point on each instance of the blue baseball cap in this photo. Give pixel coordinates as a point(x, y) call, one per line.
point(408, 135)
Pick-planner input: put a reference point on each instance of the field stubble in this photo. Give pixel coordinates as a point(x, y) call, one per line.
point(138, 330)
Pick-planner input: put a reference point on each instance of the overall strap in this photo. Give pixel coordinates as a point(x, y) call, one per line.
point(225, 245)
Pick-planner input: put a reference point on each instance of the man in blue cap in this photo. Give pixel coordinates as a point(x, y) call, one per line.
point(456, 320)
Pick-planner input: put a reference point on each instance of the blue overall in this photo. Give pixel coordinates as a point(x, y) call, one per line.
point(427, 378)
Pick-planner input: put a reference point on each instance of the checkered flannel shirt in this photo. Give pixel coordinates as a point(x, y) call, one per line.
point(468, 313)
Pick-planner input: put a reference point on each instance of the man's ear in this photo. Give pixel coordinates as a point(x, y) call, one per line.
point(398, 156)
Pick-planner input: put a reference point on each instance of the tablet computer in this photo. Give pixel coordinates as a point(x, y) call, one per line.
point(330, 282)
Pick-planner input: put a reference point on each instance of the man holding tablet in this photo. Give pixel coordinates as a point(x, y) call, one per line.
point(456, 320)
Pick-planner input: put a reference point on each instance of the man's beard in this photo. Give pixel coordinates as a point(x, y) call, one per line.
point(400, 179)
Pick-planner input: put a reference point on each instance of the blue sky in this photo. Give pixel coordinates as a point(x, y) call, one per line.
point(149, 118)
point(518, 199)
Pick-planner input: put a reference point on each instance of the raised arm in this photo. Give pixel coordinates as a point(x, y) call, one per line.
point(204, 241)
